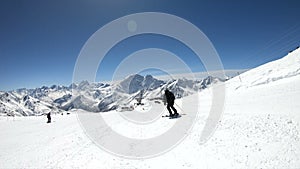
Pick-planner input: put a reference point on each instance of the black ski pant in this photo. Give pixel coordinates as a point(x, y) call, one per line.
point(170, 105)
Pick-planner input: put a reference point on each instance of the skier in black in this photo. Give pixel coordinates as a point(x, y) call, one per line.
point(49, 117)
point(170, 103)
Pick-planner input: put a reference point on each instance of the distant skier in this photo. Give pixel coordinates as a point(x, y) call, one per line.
point(169, 98)
point(49, 117)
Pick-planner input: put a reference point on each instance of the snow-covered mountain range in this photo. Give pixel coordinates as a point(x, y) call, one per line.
point(100, 97)
point(95, 97)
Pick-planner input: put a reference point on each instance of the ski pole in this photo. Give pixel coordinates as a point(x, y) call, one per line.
point(178, 106)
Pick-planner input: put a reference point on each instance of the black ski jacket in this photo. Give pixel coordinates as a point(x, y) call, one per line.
point(169, 97)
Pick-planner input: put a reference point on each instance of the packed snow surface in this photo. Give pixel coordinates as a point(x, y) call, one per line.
point(260, 128)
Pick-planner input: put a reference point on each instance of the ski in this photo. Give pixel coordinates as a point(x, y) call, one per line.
point(173, 117)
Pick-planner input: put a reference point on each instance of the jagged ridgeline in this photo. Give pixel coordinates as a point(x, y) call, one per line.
point(99, 97)
point(95, 97)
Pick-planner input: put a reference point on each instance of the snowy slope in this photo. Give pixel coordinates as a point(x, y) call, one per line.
point(259, 129)
point(285, 67)
point(244, 138)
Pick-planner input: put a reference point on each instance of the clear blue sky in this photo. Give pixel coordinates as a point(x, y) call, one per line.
point(40, 40)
